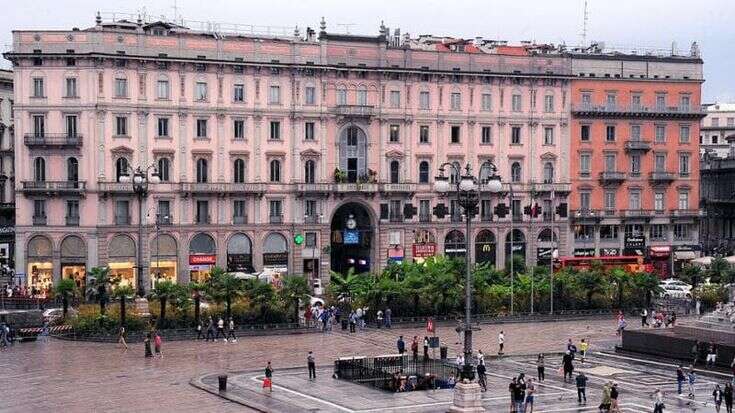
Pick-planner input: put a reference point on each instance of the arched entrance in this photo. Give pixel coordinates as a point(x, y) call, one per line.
point(454, 244)
point(40, 265)
point(202, 257)
point(122, 253)
point(519, 245)
point(73, 261)
point(164, 257)
point(545, 246)
point(240, 254)
point(485, 247)
point(351, 238)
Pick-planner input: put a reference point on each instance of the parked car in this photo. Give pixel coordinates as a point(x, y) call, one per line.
point(679, 283)
point(54, 315)
point(674, 291)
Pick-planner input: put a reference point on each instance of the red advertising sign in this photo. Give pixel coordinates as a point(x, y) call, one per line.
point(202, 259)
point(424, 250)
point(430, 326)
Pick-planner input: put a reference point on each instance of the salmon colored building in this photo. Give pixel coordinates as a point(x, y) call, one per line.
point(634, 158)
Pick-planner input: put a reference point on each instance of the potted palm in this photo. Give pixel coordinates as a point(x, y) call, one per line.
point(163, 291)
point(100, 281)
point(294, 290)
point(123, 292)
point(66, 288)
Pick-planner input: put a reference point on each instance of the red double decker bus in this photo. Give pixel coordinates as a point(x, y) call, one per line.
point(631, 263)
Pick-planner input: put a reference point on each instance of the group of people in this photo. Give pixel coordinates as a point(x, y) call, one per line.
point(522, 393)
point(720, 395)
point(219, 327)
point(325, 318)
point(658, 318)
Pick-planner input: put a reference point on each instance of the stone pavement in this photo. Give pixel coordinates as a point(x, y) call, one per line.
point(83, 377)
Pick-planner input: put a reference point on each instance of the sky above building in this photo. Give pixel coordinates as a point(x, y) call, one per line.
point(641, 24)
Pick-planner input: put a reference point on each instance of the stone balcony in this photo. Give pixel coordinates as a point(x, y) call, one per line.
point(222, 188)
point(638, 213)
point(688, 213)
point(354, 111)
point(661, 177)
point(364, 188)
point(635, 145)
point(585, 215)
point(53, 140)
point(612, 177)
point(637, 111)
point(398, 188)
point(53, 188)
point(314, 188)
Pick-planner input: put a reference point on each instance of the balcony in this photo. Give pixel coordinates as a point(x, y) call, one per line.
point(687, 213)
point(354, 111)
point(661, 177)
point(612, 177)
point(39, 220)
point(53, 187)
point(364, 188)
point(402, 188)
point(637, 146)
point(122, 219)
point(72, 220)
point(202, 219)
point(53, 140)
point(638, 213)
point(585, 214)
point(424, 217)
point(395, 218)
point(240, 219)
point(636, 111)
point(275, 219)
point(314, 188)
point(222, 188)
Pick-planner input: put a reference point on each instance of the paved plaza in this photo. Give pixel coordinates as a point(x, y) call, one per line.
point(82, 377)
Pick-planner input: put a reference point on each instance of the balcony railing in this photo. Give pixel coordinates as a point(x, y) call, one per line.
point(425, 217)
point(72, 220)
point(637, 213)
point(53, 140)
point(633, 110)
point(122, 219)
point(54, 187)
point(612, 177)
point(276, 219)
point(661, 177)
point(687, 213)
point(398, 188)
point(222, 188)
point(240, 219)
point(314, 188)
point(356, 187)
point(354, 110)
point(585, 214)
point(637, 146)
point(39, 220)
point(395, 218)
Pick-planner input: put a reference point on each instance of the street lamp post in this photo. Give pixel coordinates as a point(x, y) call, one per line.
point(140, 179)
point(467, 188)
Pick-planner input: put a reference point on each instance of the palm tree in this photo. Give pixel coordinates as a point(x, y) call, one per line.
point(621, 279)
point(100, 281)
point(224, 287)
point(197, 289)
point(163, 291)
point(181, 299)
point(66, 288)
point(294, 290)
point(261, 294)
point(344, 286)
point(415, 284)
point(647, 285)
point(691, 274)
point(122, 292)
point(718, 270)
point(590, 281)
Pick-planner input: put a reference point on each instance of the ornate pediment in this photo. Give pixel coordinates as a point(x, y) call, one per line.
point(394, 154)
point(548, 155)
point(310, 153)
point(121, 150)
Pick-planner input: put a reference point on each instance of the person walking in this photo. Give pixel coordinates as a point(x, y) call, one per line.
point(231, 331)
point(727, 397)
point(581, 388)
point(712, 355)
point(379, 319)
point(210, 329)
point(221, 330)
point(606, 401)
point(541, 367)
point(480, 357)
point(388, 318)
point(353, 321)
point(512, 388)
point(621, 325)
point(584, 346)
point(481, 376)
point(200, 334)
point(680, 378)
point(644, 318)
point(460, 360)
point(311, 366)
point(520, 393)
point(401, 345)
point(147, 345)
point(501, 343)
point(691, 380)
point(458, 329)
point(415, 348)
point(157, 342)
point(614, 394)
point(268, 381)
point(307, 316)
point(4, 332)
point(567, 365)
point(695, 352)
point(120, 337)
point(426, 348)
point(717, 396)
point(530, 391)
point(658, 401)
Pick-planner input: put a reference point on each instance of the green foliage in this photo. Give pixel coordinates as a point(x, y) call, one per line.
point(710, 295)
point(224, 287)
point(295, 289)
point(100, 283)
point(718, 270)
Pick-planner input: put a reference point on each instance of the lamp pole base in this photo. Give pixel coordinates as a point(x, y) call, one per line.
point(467, 398)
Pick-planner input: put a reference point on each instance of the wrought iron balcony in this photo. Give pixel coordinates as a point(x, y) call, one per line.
point(276, 219)
point(687, 213)
point(222, 188)
point(661, 177)
point(612, 177)
point(356, 187)
point(240, 219)
point(39, 220)
point(354, 110)
point(404, 188)
point(53, 140)
point(637, 111)
point(634, 145)
point(72, 220)
point(53, 187)
point(637, 213)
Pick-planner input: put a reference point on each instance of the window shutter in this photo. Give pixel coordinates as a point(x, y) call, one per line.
point(361, 154)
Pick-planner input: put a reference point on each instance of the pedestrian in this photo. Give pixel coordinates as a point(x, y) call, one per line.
point(231, 331)
point(567, 365)
point(501, 343)
point(732, 367)
point(571, 348)
point(520, 393)
point(480, 357)
point(541, 368)
point(4, 332)
point(221, 330)
point(584, 346)
point(157, 341)
point(200, 335)
point(695, 352)
point(512, 387)
point(210, 329)
point(121, 337)
point(307, 316)
point(621, 325)
point(727, 396)
point(426, 348)
point(311, 366)
point(644, 318)
point(530, 391)
point(712, 355)
point(691, 379)
point(388, 318)
point(458, 329)
point(680, 378)
point(268, 381)
point(353, 321)
point(481, 377)
point(379, 319)
point(717, 396)
point(658, 401)
point(614, 406)
point(581, 388)
point(460, 360)
point(415, 349)
point(606, 401)
point(147, 345)
point(359, 317)
point(673, 319)
point(401, 345)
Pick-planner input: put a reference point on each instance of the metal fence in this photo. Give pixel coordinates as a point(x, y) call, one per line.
point(396, 372)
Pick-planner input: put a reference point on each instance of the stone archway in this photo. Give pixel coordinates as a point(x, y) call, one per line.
point(351, 238)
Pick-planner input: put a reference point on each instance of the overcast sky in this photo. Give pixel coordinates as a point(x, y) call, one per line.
point(638, 23)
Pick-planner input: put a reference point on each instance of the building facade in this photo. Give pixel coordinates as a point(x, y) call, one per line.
point(7, 176)
point(635, 157)
point(716, 128)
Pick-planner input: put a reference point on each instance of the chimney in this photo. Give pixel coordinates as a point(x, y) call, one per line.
point(322, 26)
point(98, 19)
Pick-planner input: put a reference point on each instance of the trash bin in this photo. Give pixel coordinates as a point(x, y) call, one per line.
point(443, 352)
point(222, 382)
point(344, 324)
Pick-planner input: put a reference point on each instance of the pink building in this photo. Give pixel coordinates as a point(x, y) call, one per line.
point(262, 142)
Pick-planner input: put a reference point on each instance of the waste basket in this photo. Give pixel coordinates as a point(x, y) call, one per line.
point(222, 378)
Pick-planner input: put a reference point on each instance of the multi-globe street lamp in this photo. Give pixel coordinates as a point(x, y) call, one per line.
point(467, 188)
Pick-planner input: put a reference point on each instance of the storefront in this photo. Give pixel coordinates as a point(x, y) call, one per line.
point(635, 245)
point(609, 252)
point(485, 248)
point(518, 245)
point(240, 254)
point(395, 254)
point(73, 261)
point(202, 257)
point(584, 252)
point(545, 247)
point(660, 260)
point(455, 245)
point(684, 254)
point(275, 258)
point(163, 259)
point(424, 245)
point(121, 252)
point(40, 270)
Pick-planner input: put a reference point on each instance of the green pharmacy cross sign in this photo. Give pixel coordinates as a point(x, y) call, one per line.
point(298, 239)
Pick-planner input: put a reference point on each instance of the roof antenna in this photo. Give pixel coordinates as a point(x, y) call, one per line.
point(584, 25)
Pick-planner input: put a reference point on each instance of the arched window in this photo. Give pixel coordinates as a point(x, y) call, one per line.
point(72, 170)
point(515, 172)
point(548, 173)
point(39, 169)
point(454, 173)
point(202, 170)
point(309, 171)
point(275, 171)
point(454, 244)
point(424, 172)
point(395, 171)
point(164, 169)
point(121, 168)
point(238, 171)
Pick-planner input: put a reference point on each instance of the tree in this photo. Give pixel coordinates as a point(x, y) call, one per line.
point(415, 284)
point(344, 286)
point(224, 287)
point(66, 288)
point(719, 269)
point(163, 291)
point(590, 281)
point(294, 290)
point(100, 281)
point(181, 299)
point(261, 294)
point(197, 289)
point(621, 278)
point(647, 285)
point(691, 274)
point(122, 292)
point(443, 283)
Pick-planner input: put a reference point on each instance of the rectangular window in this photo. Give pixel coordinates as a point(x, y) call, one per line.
point(486, 102)
point(424, 100)
point(341, 96)
point(516, 103)
point(684, 200)
point(611, 163)
point(122, 214)
point(121, 126)
point(715, 122)
point(684, 164)
point(608, 232)
point(635, 165)
point(423, 134)
point(238, 212)
point(38, 90)
point(515, 209)
point(424, 210)
point(71, 87)
point(310, 95)
point(584, 232)
point(71, 126)
point(660, 134)
point(682, 231)
point(275, 130)
point(584, 133)
point(658, 232)
point(487, 136)
point(395, 98)
point(586, 100)
point(309, 131)
point(456, 101)
point(39, 208)
point(164, 212)
point(660, 101)
point(486, 210)
point(310, 208)
point(201, 128)
point(455, 134)
point(200, 92)
point(394, 134)
point(658, 201)
point(39, 126)
point(396, 215)
point(730, 121)
point(549, 103)
point(162, 89)
point(584, 200)
point(660, 163)
point(634, 200)
point(362, 97)
point(633, 230)
point(612, 102)
point(684, 134)
point(684, 103)
point(274, 95)
point(610, 197)
point(515, 135)
point(635, 132)
point(635, 102)
point(163, 127)
point(310, 239)
point(121, 88)
point(275, 208)
point(584, 164)
point(202, 212)
point(238, 129)
point(238, 93)
point(548, 136)
point(72, 212)
point(610, 133)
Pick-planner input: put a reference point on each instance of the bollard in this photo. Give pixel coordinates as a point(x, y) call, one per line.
point(222, 378)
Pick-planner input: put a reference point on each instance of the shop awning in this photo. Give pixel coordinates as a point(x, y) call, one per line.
point(702, 261)
point(685, 255)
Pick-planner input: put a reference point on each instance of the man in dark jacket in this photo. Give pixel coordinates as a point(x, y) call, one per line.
point(581, 388)
point(401, 345)
point(566, 362)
